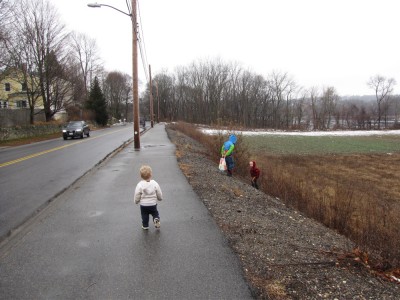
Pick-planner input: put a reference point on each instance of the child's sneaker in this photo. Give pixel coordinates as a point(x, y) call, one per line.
point(145, 228)
point(157, 223)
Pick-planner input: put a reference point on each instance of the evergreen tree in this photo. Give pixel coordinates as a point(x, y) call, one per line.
point(97, 103)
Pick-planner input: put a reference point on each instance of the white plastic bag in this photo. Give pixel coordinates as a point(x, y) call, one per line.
point(222, 164)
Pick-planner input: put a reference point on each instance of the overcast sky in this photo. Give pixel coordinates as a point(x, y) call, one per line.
point(339, 43)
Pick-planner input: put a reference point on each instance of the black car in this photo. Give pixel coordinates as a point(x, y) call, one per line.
point(76, 129)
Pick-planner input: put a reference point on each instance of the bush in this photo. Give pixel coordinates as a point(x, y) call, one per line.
point(214, 143)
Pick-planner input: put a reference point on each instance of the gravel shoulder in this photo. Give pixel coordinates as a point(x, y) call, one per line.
point(284, 254)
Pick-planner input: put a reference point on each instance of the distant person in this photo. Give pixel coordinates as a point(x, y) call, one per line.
point(147, 193)
point(142, 122)
point(227, 151)
point(254, 173)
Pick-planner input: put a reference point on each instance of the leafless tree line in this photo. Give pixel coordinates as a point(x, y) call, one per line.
point(58, 67)
point(214, 92)
point(54, 65)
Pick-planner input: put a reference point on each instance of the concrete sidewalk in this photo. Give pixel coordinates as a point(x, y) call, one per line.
point(89, 243)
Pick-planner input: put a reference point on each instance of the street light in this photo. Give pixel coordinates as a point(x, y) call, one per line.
point(95, 5)
point(135, 88)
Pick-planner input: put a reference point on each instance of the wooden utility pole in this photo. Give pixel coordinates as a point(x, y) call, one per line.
point(135, 78)
point(151, 100)
point(158, 104)
point(135, 88)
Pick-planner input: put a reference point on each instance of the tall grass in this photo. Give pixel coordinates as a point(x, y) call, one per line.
point(213, 143)
point(357, 195)
point(347, 198)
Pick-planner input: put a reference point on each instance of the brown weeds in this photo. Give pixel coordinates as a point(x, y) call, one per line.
point(357, 195)
point(186, 169)
point(353, 194)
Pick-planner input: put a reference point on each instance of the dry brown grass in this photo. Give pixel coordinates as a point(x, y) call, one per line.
point(186, 169)
point(357, 195)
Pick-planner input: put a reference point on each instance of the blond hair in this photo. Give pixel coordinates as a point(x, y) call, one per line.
point(145, 172)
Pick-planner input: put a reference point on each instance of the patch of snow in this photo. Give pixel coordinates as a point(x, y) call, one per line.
point(307, 133)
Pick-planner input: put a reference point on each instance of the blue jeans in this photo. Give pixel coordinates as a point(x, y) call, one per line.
point(230, 164)
point(146, 211)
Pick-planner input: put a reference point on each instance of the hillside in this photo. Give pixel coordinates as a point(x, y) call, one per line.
point(284, 254)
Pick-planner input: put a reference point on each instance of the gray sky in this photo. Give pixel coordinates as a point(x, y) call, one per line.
point(339, 43)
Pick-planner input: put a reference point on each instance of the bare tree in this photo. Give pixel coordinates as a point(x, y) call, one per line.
point(385, 108)
point(282, 85)
point(74, 102)
point(215, 92)
point(244, 98)
point(383, 87)
point(127, 95)
point(5, 28)
point(216, 79)
point(231, 101)
point(191, 94)
point(166, 89)
point(257, 93)
point(363, 119)
point(4, 16)
point(329, 101)
point(350, 115)
point(299, 108)
point(291, 90)
point(116, 92)
point(44, 38)
point(396, 102)
point(85, 53)
point(21, 65)
point(314, 103)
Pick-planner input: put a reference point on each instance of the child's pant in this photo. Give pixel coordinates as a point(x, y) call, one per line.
point(230, 164)
point(254, 183)
point(146, 211)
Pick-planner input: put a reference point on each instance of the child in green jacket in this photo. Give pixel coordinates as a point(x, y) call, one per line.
point(227, 151)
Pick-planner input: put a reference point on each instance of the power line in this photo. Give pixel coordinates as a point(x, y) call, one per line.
point(142, 47)
point(144, 62)
point(140, 37)
point(128, 5)
point(141, 29)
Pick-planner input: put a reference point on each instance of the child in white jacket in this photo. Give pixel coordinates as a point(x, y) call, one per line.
point(147, 193)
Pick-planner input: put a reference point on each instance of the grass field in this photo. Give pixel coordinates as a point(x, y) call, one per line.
point(322, 145)
point(349, 183)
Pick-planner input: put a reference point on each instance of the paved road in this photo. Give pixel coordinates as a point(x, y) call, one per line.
point(31, 175)
point(88, 244)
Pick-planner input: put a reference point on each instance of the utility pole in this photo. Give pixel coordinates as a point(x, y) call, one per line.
point(136, 130)
point(135, 79)
point(151, 100)
point(158, 104)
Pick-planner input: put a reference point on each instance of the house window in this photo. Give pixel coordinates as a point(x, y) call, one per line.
point(7, 87)
point(24, 86)
point(3, 104)
point(21, 104)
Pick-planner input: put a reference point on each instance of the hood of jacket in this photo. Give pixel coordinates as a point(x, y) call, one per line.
point(233, 139)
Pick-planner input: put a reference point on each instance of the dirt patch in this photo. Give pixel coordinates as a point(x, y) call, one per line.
point(284, 255)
